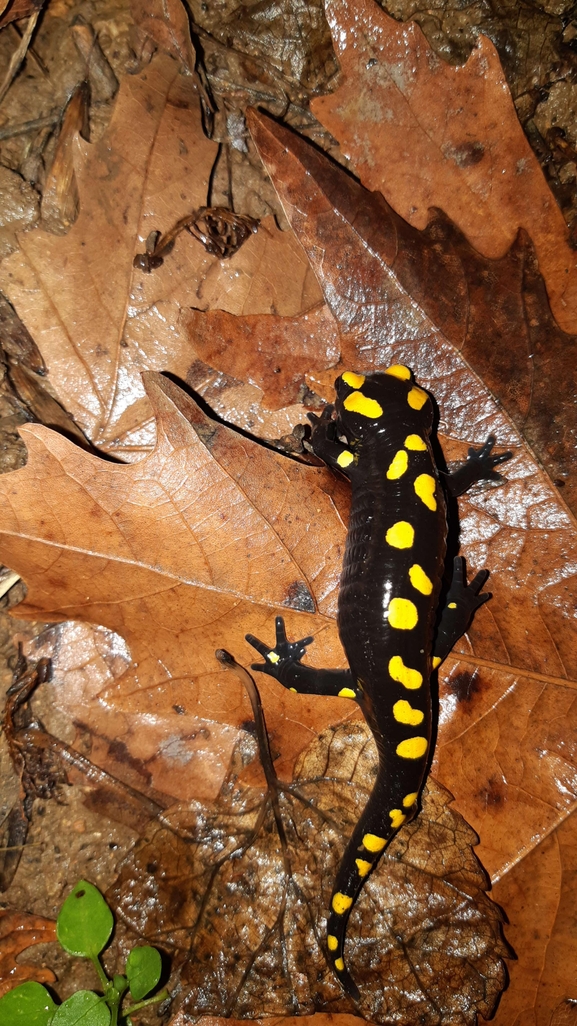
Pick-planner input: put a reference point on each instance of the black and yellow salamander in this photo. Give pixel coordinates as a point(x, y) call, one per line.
point(378, 435)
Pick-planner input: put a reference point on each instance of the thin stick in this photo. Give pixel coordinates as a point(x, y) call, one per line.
point(19, 54)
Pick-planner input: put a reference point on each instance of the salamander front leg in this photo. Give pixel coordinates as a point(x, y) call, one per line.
point(480, 466)
point(283, 662)
point(326, 445)
point(462, 601)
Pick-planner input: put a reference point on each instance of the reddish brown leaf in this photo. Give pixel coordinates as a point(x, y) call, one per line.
point(18, 931)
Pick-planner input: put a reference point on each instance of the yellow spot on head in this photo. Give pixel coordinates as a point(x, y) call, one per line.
point(294, 689)
point(363, 866)
point(273, 657)
point(347, 693)
point(345, 458)
point(436, 661)
point(412, 748)
point(397, 818)
point(410, 679)
point(419, 579)
point(415, 442)
point(452, 605)
point(356, 402)
point(332, 942)
point(401, 535)
point(398, 465)
point(374, 843)
point(417, 398)
point(404, 713)
point(339, 965)
point(341, 903)
point(398, 370)
point(425, 489)
point(410, 799)
point(353, 380)
point(403, 615)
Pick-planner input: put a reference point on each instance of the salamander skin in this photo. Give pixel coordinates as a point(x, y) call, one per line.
point(378, 435)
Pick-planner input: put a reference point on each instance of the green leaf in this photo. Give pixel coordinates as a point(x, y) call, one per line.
point(84, 1008)
point(29, 1004)
point(143, 969)
point(85, 922)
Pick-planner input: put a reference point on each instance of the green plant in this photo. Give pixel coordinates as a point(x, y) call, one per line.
point(83, 929)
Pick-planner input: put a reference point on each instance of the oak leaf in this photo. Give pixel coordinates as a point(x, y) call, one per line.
point(18, 931)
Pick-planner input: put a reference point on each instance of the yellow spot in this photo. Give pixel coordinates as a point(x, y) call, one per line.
point(412, 748)
point(398, 465)
point(332, 942)
point(356, 402)
point(345, 458)
point(397, 818)
point(341, 903)
point(416, 443)
point(403, 615)
point(347, 693)
point(417, 398)
point(404, 713)
point(425, 488)
point(410, 679)
point(374, 843)
point(419, 579)
point(273, 657)
point(452, 605)
point(410, 799)
point(339, 965)
point(436, 661)
point(363, 866)
point(399, 371)
point(353, 380)
point(401, 535)
point(294, 689)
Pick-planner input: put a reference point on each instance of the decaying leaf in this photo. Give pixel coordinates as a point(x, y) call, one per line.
point(96, 330)
point(244, 915)
point(18, 931)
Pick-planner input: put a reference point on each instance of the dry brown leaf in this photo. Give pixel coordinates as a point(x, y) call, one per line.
point(428, 134)
point(244, 915)
point(18, 931)
point(97, 328)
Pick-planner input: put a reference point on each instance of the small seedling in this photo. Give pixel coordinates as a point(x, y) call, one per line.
point(83, 928)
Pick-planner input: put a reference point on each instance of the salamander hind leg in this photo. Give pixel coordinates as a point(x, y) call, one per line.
point(462, 601)
point(283, 662)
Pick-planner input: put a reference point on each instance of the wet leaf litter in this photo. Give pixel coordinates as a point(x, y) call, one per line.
point(471, 688)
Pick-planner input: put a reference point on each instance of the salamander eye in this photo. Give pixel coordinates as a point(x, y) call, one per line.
point(398, 370)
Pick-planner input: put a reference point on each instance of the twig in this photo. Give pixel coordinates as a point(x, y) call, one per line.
point(19, 54)
point(48, 121)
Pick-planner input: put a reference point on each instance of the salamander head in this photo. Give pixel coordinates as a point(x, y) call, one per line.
point(367, 403)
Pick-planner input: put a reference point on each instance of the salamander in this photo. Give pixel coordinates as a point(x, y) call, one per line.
point(378, 434)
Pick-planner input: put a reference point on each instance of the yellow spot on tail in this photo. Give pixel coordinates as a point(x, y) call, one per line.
point(341, 903)
point(273, 657)
point(410, 679)
point(397, 818)
point(401, 535)
point(419, 579)
point(374, 843)
point(410, 799)
point(403, 615)
point(412, 748)
point(398, 465)
point(452, 605)
point(363, 866)
point(425, 488)
point(398, 370)
point(345, 458)
point(417, 398)
point(356, 402)
point(332, 942)
point(339, 965)
point(347, 693)
point(436, 661)
point(353, 380)
point(404, 713)
point(415, 442)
